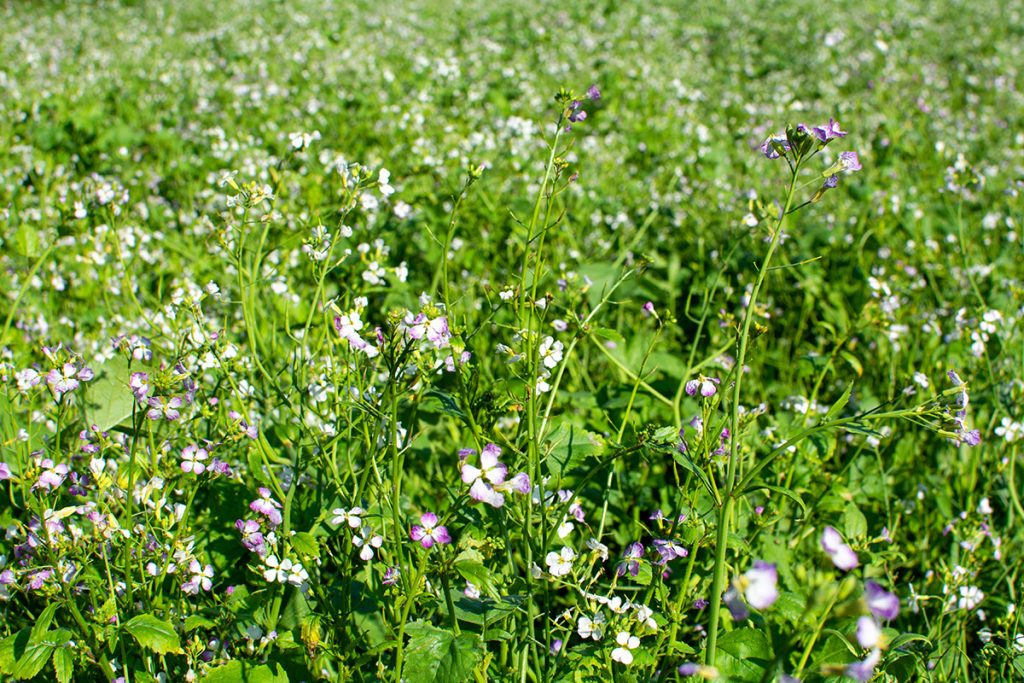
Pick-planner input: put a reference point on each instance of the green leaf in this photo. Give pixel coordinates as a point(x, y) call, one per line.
point(855, 525)
point(839, 404)
point(43, 622)
point(569, 446)
point(438, 656)
point(32, 662)
point(12, 648)
point(239, 672)
point(743, 655)
point(470, 566)
point(194, 621)
point(63, 664)
point(782, 491)
point(154, 634)
point(306, 544)
point(689, 465)
point(108, 398)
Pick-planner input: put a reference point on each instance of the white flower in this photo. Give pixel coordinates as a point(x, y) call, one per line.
point(600, 548)
point(560, 563)
point(551, 352)
point(367, 541)
point(869, 633)
point(626, 643)
point(591, 628)
point(351, 517)
point(276, 571)
point(970, 597)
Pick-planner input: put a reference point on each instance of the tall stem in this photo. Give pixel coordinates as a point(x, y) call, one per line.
point(728, 501)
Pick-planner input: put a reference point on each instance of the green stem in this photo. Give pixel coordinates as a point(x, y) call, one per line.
point(726, 509)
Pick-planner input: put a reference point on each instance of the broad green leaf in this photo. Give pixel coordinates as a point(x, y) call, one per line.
point(194, 621)
point(63, 664)
point(436, 655)
point(470, 566)
point(32, 662)
point(12, 648)
point(306, 544)
point(108, 398)
point(239, 672)
point(43, 622)
point(569, 446)
point(855, 525)
point(154, 634)
point(743, 655)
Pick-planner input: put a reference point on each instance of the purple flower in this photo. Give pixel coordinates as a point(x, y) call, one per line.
point(427, 532)
point(831, 182)
point(631, 559)
point(759, 585)
point(267, 506)
point(52, 476)
point(5, 471)
point(593, 93)
point(849, 162)
point(487, 482)
point(862, 671)
point(883, 604)
point(775, 146)
point(576, 113)
point(829, 131)
point(66, 379)
point(841, 554)
point(193, 459)
point(391, 575)
point(163, 407)
point(669, 550)
point(708, 386)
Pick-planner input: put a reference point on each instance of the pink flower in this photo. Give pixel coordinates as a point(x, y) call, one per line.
point(841, 554)
point(427, 532)
point(487, 482)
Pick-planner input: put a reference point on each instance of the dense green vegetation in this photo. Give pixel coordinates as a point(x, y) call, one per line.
point(511, 341)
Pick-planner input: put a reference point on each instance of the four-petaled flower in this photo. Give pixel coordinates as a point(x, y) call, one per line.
point(427, 532)
point(366, 540)
point(192, 458)
point(66, 379)
point(560, 563)
point(487, 482)
point(591, 628)
point(627, 642)
point(353, 517)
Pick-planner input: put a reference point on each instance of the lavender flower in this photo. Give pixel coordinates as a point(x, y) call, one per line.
point(487, 482)
point(883, 604)
point(829, 131)
point(427, 532)
point(841, 554)
point(708, 386)
point(593, 93)
point(631, 557)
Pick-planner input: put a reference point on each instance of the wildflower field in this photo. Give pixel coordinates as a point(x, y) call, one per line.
point(511, 341)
